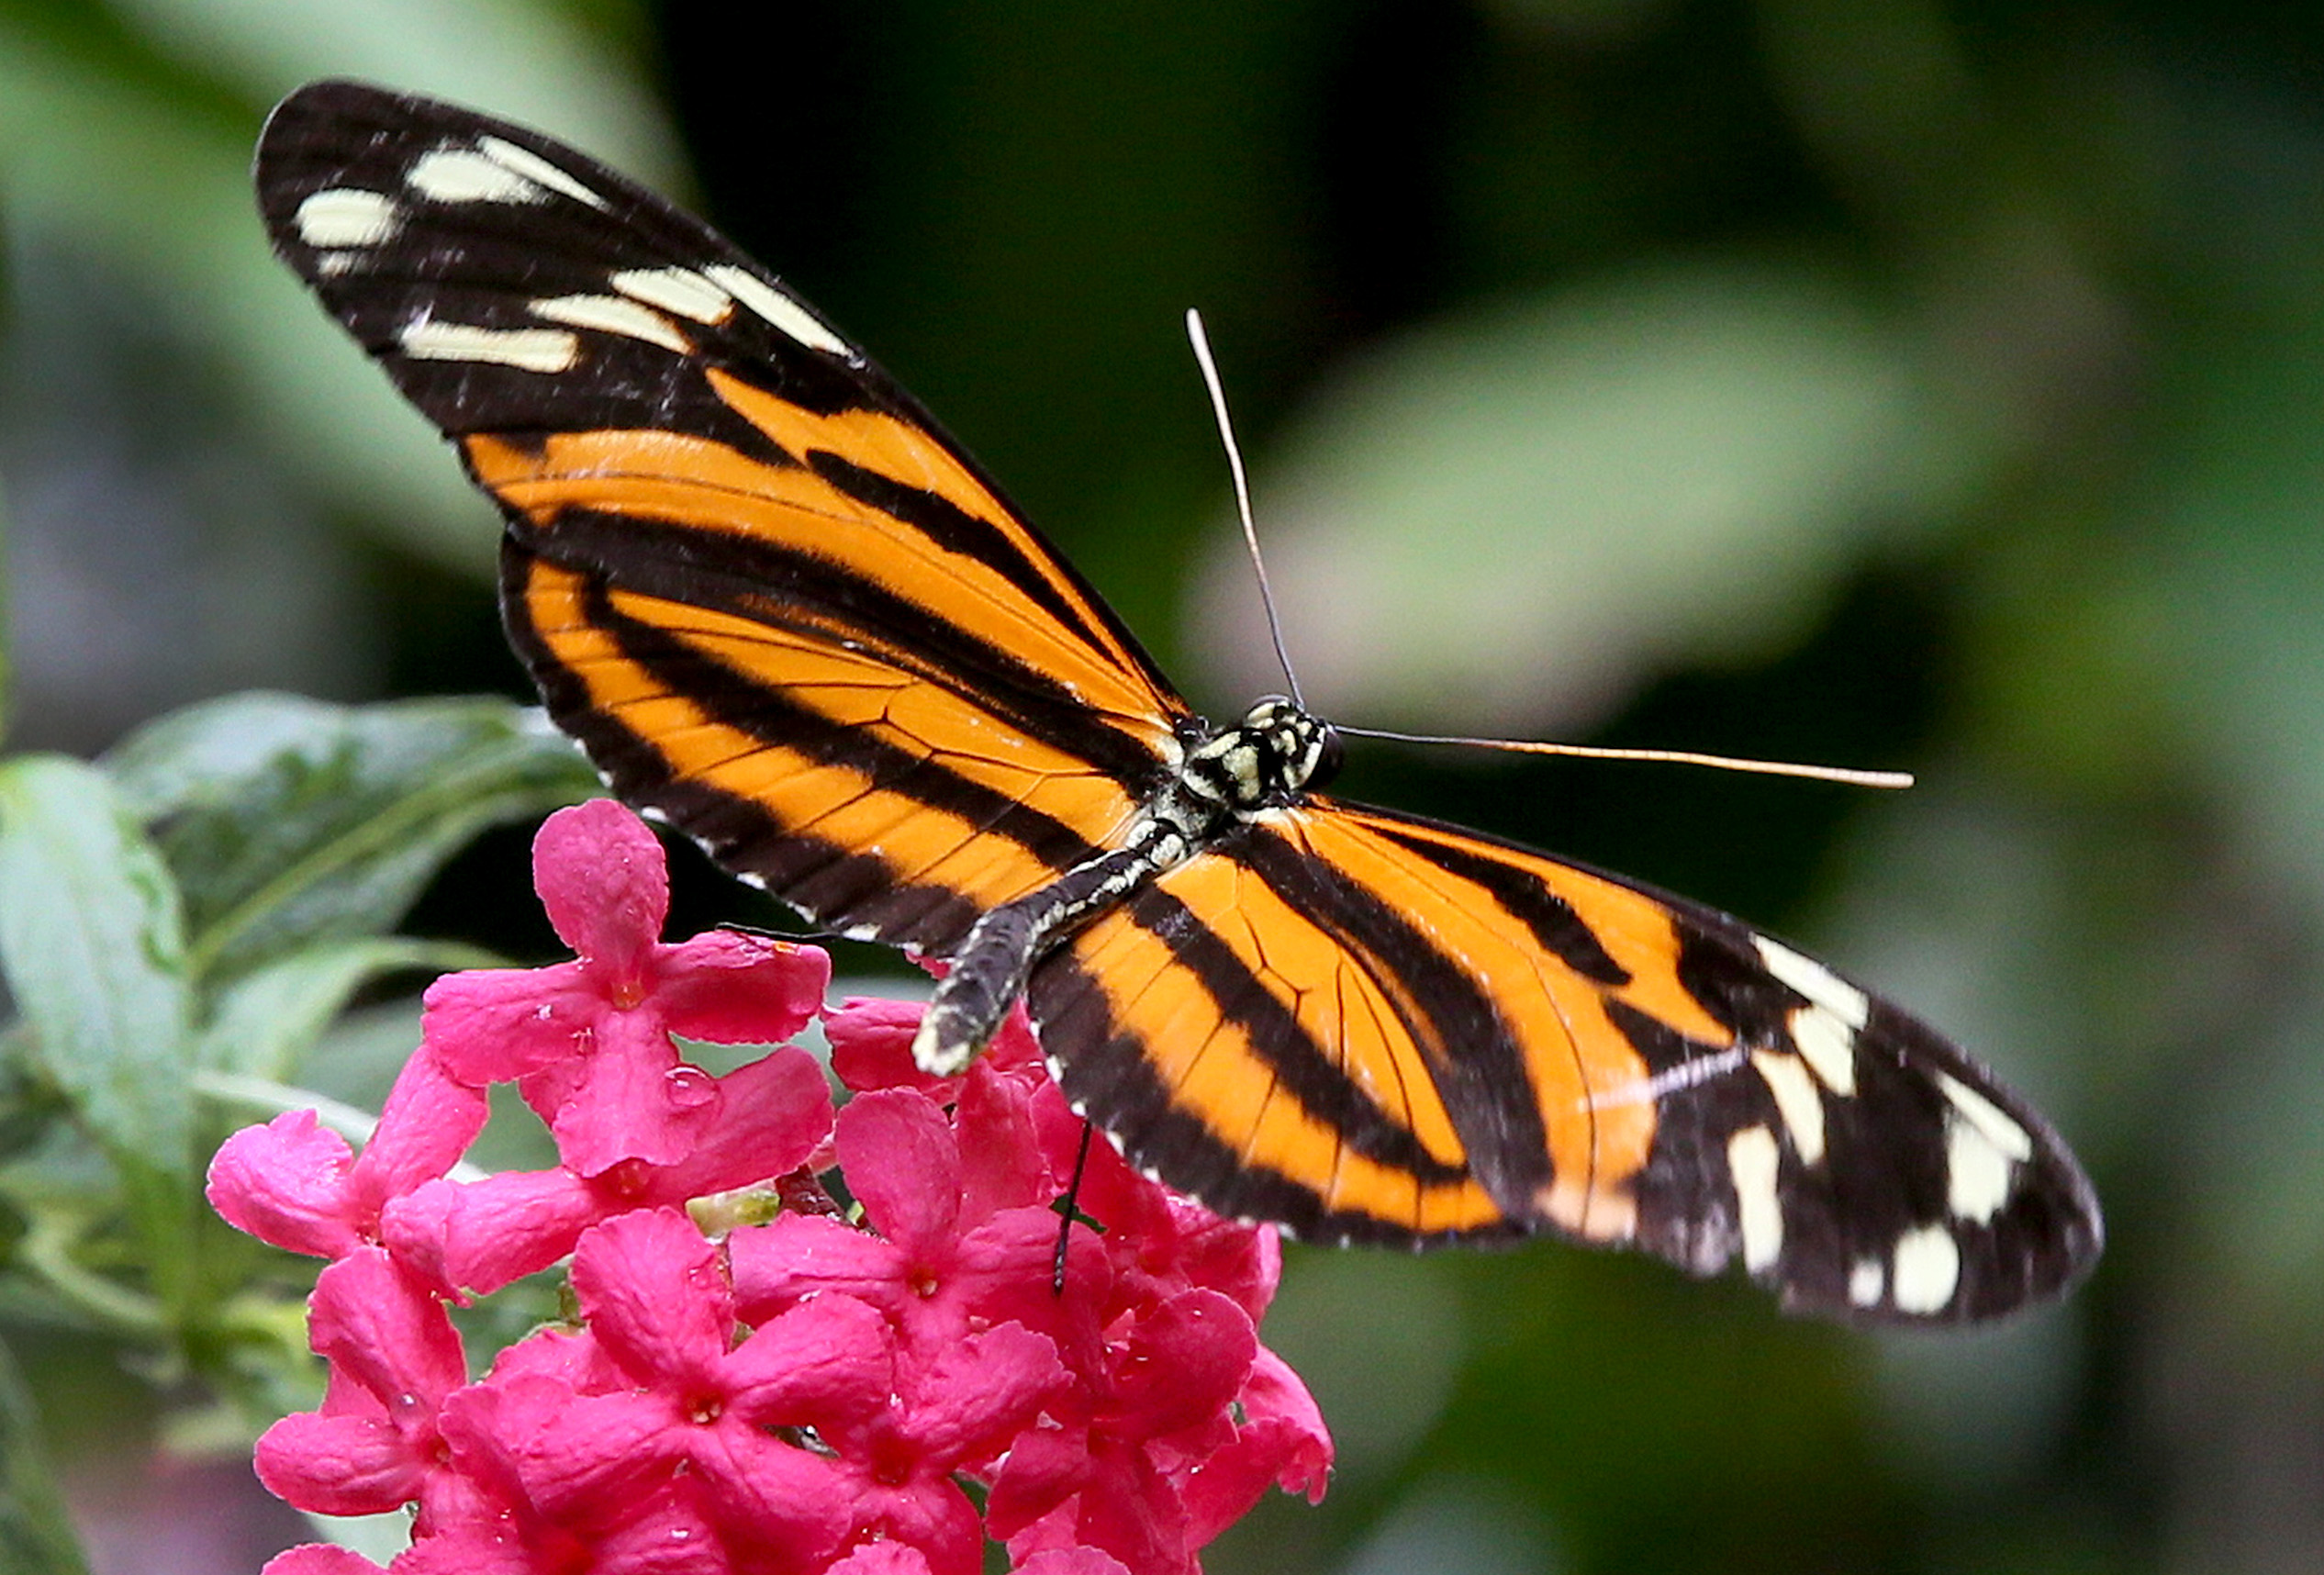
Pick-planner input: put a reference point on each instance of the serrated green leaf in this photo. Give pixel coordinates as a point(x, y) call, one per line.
point(92, 944)
point(35, 1534)
point(289, 821)
point(265, 1022)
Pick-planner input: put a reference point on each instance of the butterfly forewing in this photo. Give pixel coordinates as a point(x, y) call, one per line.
point(782, 609)
point(773, 599)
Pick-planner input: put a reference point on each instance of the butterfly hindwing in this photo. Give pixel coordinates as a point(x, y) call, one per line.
point(1374, 1027)
point(777, 604)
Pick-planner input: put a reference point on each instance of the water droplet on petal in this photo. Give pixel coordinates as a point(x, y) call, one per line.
point(690, 1087)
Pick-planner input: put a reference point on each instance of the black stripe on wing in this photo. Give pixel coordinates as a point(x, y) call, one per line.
point(801, 591)
point(833, 883)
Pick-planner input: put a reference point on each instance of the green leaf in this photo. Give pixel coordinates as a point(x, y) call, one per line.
point(290, 822)
point(92, 945)
point(35, 1534)
point(91, 942)
point(4, 619)
point(265, 1022)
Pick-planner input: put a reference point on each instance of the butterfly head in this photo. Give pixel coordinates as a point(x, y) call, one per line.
point(1276, 753)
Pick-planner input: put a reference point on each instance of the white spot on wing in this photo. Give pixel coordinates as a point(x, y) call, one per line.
point(1928, 1269)
point(680, 291)
point(1815, 981)
point(1987, 1117)
point(1976, 1173)
point(1865, 1282)
point(1827, 1044)
point(462, 175)
point(1751, 1159)
point(343, 216)
point(783, 313)
point(1796, 1099)
point(533, 167)
point(528, 350)
point(611, 313)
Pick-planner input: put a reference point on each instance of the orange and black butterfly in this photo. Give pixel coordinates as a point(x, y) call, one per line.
point(786, 614)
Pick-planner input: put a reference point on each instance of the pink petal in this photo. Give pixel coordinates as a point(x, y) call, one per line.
point(731, 988)
point(827, 1363)
point(793, 1257)
point(530, 1440)
point(792, 1506)
point(775, 1112)
point(428, 1123)
point(1125, 1508)
point(1281, 1442)
point(285, 1183)
point(319, 1558)
point(933, 1516)
point(472, 1550)
point(903, 1164)
point(1275, 1397)
point(1242, 1261)
point(1001, 1163)
point(654, 1296)
point(666, 1534)
point(1005, 1271)
point(871, 1047)
point(627, 1097)
point(1046, 1467)
point(1014, 1048)
point(381, 1328)
point(571, 1359)
point(606, 884)
point(1129, 1512)
point(495, 1025)
point(1187, 1359)
point(965, 1405)
point(338, 1464)
point(476, 1236)
point(1072, 1561)
point(882, 1559)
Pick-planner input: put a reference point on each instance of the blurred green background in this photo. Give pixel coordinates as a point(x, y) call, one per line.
point(1874, 382)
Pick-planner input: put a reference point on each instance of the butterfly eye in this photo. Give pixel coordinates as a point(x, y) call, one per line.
point(1330, 754)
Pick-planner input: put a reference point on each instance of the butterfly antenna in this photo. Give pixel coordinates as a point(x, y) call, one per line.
point(1201, 343)
point(1842, 774)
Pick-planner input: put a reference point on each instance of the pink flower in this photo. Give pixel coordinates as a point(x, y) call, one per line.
point(809, 1396)
point(939, 1266)
point(656, 1408)
point(297, 1185)
point(474, 1237)
point(588, 1041)
point(394, 1357)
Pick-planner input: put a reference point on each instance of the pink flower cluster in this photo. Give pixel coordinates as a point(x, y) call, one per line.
point(807, 1394)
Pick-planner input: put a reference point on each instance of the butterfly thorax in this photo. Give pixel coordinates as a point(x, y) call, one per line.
point(1225, 775)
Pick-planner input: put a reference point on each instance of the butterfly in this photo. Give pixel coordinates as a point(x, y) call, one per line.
point(785, 613)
